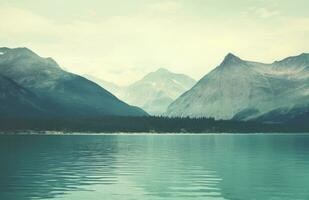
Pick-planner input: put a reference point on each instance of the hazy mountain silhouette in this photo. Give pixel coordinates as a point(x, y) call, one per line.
point(43, 88)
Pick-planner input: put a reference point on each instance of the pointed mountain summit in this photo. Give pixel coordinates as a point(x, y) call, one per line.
point(162, 71)
point(58, 93)
point(231, 59)
point(295, 63)
point(157, 89)
point(245, 90)
point(302, 59)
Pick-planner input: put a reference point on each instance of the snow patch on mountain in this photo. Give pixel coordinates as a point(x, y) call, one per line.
point(154, 92)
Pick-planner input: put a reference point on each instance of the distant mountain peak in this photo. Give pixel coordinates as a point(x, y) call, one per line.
point(300, 60)
point(23, 51)
point(158, 74)
point(231, 59)
point(13, 53)
point(20, 55)
point(246, 90)
point(162, 70)
point(52, 62)
point(158, 89)
point(4, 49)
point(59, 93)
point(304, 54)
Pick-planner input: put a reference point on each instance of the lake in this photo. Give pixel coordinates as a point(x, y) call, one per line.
point(178, 167)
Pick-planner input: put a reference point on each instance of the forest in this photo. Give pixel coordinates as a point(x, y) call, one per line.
point(149, 124)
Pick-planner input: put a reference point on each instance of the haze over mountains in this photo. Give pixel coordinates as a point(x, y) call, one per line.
point(245, 90)
point(109, 86)
point(154, 92)
point(38, 87)
point(32, 86)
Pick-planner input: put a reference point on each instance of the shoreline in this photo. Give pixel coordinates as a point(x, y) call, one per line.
point(59, 133)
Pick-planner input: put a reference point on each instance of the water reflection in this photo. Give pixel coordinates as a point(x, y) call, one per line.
point(48, 166)
point(155, 167)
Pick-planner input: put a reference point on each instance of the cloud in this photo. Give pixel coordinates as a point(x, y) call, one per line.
point(266, 12)
point(262, 12)
point(17, 20)
point(123, 48)
point(168, 6)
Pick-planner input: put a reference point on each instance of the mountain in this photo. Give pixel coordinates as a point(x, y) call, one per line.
point(109, 86)
point(158, 89)
point(43, 88)
point(155, 91)
point(245, 90)
point(17, 101)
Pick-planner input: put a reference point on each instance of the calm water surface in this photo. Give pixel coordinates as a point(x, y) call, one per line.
point(236, 167)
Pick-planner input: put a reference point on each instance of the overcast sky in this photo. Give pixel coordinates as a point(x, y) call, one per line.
point(121, 40)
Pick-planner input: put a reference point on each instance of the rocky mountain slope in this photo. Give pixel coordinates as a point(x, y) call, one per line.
point(57, 92)
point(245, 90)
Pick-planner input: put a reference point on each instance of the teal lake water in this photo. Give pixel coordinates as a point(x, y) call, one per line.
point(178, 167)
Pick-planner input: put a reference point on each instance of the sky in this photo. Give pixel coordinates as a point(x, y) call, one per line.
point(122, 40)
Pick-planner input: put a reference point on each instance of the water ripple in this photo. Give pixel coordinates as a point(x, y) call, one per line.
point(187, 167)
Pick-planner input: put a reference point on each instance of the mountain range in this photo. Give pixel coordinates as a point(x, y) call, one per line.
point(37, 87)
point(237, 89)
point(154, 92)
point(245, 90)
